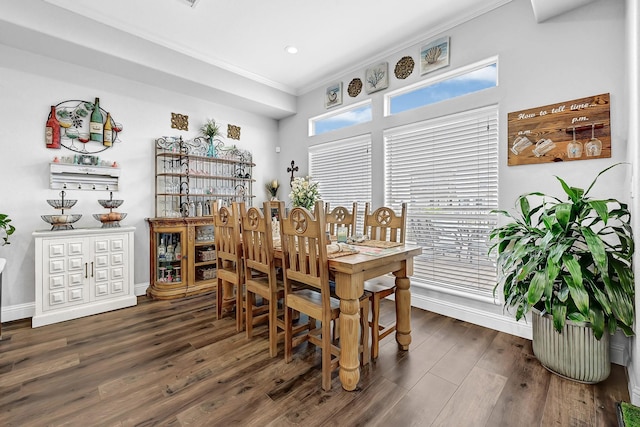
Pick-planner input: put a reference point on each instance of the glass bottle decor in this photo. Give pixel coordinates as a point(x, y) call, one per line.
point(52, 130)
point(95, 125)
point(107, 132)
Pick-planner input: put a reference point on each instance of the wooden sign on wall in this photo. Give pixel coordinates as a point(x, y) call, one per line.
point(546, 134)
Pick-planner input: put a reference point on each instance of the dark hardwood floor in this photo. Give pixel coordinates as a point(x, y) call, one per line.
point(171, 363)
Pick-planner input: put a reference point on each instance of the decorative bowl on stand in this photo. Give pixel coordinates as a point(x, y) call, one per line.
point(61, 221)
point(62, 203)
point(110, 203)
point(111, 219)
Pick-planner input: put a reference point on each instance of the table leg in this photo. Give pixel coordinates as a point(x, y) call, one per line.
point(349, 289)
point(403, 311)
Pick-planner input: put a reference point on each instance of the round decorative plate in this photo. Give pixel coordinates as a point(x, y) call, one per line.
point(404, 67)
point(355, 86)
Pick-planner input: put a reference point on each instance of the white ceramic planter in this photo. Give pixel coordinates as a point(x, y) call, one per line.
point(575, 353)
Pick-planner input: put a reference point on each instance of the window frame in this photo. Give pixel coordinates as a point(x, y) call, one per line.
point(439, 79)
point(336, 112)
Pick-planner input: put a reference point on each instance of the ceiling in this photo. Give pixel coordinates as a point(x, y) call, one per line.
point(249, 37)
point(233, 51)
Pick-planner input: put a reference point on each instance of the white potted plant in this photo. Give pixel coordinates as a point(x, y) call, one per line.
point(570, 262)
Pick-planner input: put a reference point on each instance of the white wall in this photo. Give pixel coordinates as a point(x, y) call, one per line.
point(575, 55)
point(29, 85)
point(633, 78)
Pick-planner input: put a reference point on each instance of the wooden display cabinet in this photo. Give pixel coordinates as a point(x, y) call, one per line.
point(190, 271)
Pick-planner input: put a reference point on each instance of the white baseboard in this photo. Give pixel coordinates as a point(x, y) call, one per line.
point(18, 311)
point(140, 289)
point(619, 346)
point(506, 324)
point(27, 310)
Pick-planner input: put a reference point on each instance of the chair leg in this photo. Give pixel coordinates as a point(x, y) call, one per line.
point(251, 297)
point(239, 308)
point(273, 326)
point(375, 328)
point(326, 354)
point(219, 301)
point(364, 333)
point(288, 335)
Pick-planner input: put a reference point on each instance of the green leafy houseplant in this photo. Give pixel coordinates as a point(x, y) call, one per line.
point(210, 129)
point(7, 228)
point(571, 259)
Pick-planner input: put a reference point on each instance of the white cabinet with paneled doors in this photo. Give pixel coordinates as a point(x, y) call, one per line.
point(82, 272)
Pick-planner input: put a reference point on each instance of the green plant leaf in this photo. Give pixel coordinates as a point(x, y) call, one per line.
point(563, 214)
point(563, 292)
point(597, 323)
point(598, 176)
point(559, 316)
point(524, 208)
point(601, 299)
point(536, 287)
point(601, 208)
point(596, 247)
point(573, 193)
point(576, 288)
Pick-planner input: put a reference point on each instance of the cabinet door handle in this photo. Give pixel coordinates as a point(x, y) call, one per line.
point(91, 268)
point(86, 272)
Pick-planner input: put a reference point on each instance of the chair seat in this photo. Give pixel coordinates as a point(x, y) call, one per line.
point(312, 302)
point(385, 285)
point(261, 283)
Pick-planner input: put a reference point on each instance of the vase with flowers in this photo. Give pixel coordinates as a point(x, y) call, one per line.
point(272, 188)
point(304, 192)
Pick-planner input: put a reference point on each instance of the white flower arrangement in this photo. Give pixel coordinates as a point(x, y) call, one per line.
point(304, 192)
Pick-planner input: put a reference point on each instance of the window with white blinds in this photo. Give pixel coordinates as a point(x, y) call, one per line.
point(446, 169)
point(343, 172)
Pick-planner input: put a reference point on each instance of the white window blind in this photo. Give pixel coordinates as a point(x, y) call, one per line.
point(343, 172)
point(446, 169)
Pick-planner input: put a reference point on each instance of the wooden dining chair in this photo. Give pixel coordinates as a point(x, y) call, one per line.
point(382, 224)
point(304, 248)
point(260, 274)
point(230, 274)
point(339, 216)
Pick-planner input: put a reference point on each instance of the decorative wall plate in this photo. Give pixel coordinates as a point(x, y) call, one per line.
point(404, 67)
point(355, 86)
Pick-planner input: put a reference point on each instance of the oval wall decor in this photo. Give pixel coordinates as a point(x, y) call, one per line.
point(404, 67)
point(355, 86)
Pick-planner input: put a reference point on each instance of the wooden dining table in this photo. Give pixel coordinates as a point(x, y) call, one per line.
point(350, 273)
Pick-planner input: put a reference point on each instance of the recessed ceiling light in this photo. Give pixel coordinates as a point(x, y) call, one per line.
point(291, 49)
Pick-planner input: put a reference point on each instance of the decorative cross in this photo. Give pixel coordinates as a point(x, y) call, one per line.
point(292, 169)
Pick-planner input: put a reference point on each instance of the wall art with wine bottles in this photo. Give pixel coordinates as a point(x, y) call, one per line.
point(572, 130)
point(81, 126)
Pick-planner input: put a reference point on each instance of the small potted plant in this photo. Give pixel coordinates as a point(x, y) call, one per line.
point(211, 131)
point(6, 228)
point(570, 262)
